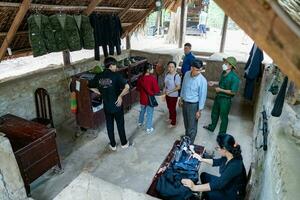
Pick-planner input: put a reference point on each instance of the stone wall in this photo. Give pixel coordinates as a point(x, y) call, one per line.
point(17, 95)
point(11, 183)
point(275, 173)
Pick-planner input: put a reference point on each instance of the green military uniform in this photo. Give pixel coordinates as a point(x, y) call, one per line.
point(41, 35)
point(86, 31)
point(65, 32)
point(222, 103)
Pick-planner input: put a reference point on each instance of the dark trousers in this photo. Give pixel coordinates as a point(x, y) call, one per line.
point(220, 109)
point(119, 117)
point(189, 118)
point(212, 195)
point(171, 103)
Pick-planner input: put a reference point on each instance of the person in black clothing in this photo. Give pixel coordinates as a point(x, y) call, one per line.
point(112, 86)
point(231, 183)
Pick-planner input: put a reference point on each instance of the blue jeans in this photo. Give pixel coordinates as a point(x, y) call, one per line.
point(149, 110)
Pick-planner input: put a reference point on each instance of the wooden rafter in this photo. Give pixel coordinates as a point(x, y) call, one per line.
point(131, 28)
point(123, 12)
point(93, 4)
point(269, 31)
point(56, 8)
point(14, 27)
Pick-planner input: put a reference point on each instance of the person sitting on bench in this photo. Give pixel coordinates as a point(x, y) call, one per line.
point(232, 180)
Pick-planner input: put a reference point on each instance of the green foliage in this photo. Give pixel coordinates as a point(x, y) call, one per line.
point(215, 16)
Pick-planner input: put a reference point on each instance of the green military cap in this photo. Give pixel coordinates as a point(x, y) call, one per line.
point(231, 60)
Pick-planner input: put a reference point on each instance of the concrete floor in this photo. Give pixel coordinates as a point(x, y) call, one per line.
point(135, 167)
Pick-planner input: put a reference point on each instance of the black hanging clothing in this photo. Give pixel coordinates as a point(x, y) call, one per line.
point(252, 70)
point(278, 105)
point(107, 32)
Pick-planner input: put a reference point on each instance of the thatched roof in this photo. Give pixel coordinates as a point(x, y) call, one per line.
point(133, 13)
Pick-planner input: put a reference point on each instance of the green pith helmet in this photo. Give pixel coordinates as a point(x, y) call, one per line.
point(231, 60)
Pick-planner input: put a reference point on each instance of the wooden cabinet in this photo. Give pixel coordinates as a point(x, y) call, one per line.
point(90, 113)
point(34, 147)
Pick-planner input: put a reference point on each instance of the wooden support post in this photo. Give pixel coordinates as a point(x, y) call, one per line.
point(183, 16)
point(158, 22)
point(14, 27)
point(224, 31)
point(128, 43)
point(269, 31)
point(93, 4)
point(125, 11)
point(67, 58)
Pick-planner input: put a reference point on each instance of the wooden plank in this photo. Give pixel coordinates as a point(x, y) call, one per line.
point(14, 27)
point(131, 28)
point(128, 44)
point(3, 34)
point(269, 31)
point(93, 4)
point(66, 57)
point(224, 31)
point(125, 11)
point(56, 8)
point(183, 16)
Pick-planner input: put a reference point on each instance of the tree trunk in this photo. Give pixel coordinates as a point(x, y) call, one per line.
point(174, 28)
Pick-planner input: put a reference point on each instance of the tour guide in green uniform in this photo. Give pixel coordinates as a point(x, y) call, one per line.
point(227, 88)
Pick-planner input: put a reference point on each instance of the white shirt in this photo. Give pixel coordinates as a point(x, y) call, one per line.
point(171, 81)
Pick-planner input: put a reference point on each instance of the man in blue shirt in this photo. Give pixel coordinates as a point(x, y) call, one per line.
point(188, 59)
point(193, 96)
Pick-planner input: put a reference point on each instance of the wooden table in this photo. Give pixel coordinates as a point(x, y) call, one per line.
point(152, 189)
point(34, 146)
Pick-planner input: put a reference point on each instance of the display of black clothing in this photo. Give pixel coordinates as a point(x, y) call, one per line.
point(252, 70)
point(110, 84)
point(107, 32)
point(183, 166)
point(278, 105)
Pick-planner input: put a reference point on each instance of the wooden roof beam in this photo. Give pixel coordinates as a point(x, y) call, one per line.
point(57, 8)
point(91, 7)
point(269, 31)
point(131, 28)
point(15, 26)
point(125, 11)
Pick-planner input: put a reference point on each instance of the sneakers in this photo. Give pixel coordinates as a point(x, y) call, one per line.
point(112, 148)
point(171, 126)
point(149, 130)
point(140, 125)
point(129, 144)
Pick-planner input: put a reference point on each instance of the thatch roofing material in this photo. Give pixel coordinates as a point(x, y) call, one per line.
point(130, 20)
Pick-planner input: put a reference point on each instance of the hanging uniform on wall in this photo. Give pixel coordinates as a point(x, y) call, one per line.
point(85, 31)
point(68, 31)
point(41, 36)
point(59, 35)
point(252, 70)
point(107, 33)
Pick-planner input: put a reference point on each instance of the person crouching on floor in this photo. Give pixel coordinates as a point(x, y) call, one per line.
point(232, 182)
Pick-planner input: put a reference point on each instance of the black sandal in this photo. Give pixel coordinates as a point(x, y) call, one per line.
point(207, 128)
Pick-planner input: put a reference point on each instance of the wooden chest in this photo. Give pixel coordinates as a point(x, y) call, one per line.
point(34, 147)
